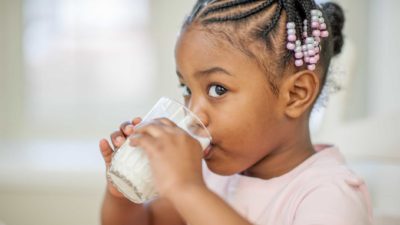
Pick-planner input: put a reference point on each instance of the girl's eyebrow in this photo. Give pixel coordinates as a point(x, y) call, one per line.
point(212, 70)
point(207, 72)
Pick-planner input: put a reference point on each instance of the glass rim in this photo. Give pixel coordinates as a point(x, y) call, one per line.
point(191, 114)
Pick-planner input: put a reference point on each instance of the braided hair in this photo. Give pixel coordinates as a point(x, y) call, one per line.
point(263, 29)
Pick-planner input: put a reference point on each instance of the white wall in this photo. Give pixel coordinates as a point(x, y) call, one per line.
point(384, 73)
point(11, 69)
point(355, 30)
point(167, 18)
point(50, 181)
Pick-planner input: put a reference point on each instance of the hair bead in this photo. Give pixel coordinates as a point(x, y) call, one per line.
point(290, 46)
point(299, 62)
point(307, 49)
point(292, 38)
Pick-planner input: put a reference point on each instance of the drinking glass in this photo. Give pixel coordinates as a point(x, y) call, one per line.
point(130, 170)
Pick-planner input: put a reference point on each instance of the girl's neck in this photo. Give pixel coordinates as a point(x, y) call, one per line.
point(282, 160)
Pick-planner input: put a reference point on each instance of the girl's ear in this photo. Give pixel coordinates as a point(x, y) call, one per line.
point(299, 92)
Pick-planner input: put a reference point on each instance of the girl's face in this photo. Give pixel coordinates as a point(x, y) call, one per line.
point(232, 96)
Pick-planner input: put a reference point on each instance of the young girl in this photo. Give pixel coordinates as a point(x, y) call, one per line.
point(252, 71)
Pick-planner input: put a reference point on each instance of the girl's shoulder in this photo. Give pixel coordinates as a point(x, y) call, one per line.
point(327, 169)
point(323, 183)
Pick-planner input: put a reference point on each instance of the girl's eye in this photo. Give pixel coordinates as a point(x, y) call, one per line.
point(216, 91)
point(185, 90)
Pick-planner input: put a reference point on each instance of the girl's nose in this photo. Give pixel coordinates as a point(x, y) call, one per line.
point(198, 107)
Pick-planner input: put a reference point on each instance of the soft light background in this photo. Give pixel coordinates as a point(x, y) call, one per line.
point(71, 71)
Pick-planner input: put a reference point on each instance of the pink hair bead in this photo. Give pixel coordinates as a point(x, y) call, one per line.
point(311, 52)
point(299, 62)
point(324, 33)
point(311, 67)
point(292, 37)
point(291, 46)
point(314, 24)
point(307, 59)
point(299, 55)
point(316, 49)
point(322, 26)
point(316, 33)
point(313, 60)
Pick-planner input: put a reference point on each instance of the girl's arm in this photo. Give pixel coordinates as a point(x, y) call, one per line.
point(199, 206)
point(118, 210)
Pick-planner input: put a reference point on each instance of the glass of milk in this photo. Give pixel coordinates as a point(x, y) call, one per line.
point(130, 169)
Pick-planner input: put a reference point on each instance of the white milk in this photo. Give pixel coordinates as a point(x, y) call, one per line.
point(130, 172)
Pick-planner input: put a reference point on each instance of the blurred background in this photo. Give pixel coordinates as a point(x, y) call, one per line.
point(71, 71)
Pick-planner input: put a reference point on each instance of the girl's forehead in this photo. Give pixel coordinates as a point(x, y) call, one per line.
point(199, 51)
point(199, 40)
point(198, 48)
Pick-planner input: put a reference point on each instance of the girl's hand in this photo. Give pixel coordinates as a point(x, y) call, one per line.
point(174, 155)
point(117, 138)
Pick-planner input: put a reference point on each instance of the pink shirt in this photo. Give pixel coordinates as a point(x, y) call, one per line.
point(320, 191)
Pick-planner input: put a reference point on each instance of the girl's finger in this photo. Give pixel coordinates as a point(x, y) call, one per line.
point(154, 129)
point(106, 151)
point(126, 128)
point(117, 139)
point(136, 121)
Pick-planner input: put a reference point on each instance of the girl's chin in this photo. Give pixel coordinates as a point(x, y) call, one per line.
point(220, 171)
point(219, 168)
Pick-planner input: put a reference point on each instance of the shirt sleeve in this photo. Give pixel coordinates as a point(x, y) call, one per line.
point(338, 203)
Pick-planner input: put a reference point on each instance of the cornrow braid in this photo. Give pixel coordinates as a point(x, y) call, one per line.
point(274, 20)
point(262, 24)
point(307, 7)
point(240, 16)
point(226, 6)
point(196, 10)
point(293, 14)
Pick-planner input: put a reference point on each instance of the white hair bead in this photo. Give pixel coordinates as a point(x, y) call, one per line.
point(290, 25)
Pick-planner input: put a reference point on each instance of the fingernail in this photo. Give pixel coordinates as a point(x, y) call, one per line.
point(136, 120)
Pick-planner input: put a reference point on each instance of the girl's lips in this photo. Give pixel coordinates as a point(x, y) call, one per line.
point(207, 152)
